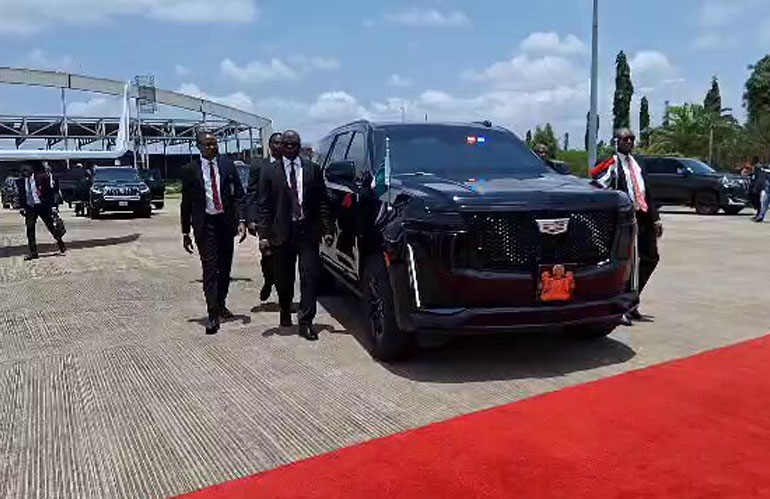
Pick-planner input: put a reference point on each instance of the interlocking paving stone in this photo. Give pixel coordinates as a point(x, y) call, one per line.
point(109, 388)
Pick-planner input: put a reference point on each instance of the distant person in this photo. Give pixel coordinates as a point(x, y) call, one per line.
point(37, 199)
point(213, 206)
point(293, 216)
point(622, 172)
point(761, 189)
point(544, 153)
point(258, 164)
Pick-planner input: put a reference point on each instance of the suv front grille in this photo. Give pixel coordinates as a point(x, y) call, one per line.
point(513, 241)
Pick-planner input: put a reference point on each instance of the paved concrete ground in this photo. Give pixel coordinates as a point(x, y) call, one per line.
point(109, 388)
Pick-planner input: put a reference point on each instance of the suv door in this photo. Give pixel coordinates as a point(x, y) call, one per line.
point(337, 199)
point(666, 181)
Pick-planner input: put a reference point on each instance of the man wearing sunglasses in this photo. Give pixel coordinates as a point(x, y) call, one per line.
point(622, 172)
point(293, 215)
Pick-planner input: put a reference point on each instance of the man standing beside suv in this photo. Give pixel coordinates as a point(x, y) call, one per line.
point(622, 172)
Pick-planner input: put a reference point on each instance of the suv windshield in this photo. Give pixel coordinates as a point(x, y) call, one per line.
point(116, 175)
point(453, 151)
point(698, 167)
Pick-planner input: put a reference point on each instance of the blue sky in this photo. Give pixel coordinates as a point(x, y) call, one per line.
point(314, 65)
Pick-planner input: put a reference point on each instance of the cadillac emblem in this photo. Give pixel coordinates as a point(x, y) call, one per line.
point(553, 227)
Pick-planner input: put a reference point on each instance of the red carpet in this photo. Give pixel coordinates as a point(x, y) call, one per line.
point(693, 428)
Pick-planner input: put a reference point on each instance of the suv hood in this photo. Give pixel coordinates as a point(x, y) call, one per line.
point(533, 192)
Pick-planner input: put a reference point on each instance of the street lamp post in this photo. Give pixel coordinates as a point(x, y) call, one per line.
point(593, 119)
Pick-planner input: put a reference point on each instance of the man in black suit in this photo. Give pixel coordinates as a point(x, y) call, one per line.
point(622, 172)
point(293, 216)
point(213, 205)
point(252, 196)
point(37, 199)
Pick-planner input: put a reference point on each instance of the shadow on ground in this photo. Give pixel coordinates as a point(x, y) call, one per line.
point(243, 319)
point(11, 251)
point(490, 357)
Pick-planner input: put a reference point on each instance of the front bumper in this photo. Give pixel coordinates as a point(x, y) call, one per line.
point(121, 205)
point(498, 320)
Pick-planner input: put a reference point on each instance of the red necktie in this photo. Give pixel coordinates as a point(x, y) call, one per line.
point(637, 191)
point(215, 188)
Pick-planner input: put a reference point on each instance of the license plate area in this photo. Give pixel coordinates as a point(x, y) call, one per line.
point(122, 203)
point(556, 283)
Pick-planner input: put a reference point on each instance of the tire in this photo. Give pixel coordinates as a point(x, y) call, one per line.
point(94, 214)
point(144, 212)
point(159, 206)
point(733, 210)
point(387, 341)
point(591, 331)
point(706, 203)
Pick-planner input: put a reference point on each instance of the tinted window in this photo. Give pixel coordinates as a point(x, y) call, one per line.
point(323, 149)
point(662, 166)
point(340, 147)
point(357, 151)
point(698, 167)
point(116, 174)
point(457, 151)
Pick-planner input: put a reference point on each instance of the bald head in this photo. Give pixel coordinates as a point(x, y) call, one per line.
point(292, 144)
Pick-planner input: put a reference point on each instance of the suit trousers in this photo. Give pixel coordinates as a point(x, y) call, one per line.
point(300, 245)
point(268, 268)
point(215, 247)
point(32, 214)
point(648, 249)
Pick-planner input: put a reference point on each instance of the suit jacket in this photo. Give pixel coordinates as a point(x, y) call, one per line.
point(619, 182)
point(275, 203)
point(252, 192)
point(194, 196)
point(46, 194)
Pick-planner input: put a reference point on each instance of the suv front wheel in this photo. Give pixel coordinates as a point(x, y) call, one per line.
point(706, 203)
point(388, 342)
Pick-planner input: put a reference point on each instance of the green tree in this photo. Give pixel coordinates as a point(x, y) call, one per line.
point(548, 138)
point(644, 122)
point(529, 138)
point(756, 98)
point(667, 114)
point(624, 92)
point(713, 101)
point(566, 141)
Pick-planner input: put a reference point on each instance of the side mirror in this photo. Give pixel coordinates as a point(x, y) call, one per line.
point(341, 172)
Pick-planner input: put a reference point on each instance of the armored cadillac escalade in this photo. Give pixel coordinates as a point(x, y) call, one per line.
point(461, 229)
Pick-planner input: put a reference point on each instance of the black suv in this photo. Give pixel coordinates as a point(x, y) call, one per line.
point(461, 228)
point(689, 182)
point(119, 188)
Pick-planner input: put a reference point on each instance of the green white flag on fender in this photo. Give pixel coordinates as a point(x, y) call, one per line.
point(381, 180)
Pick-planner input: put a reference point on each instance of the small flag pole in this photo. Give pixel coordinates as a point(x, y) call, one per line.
point(388, 170)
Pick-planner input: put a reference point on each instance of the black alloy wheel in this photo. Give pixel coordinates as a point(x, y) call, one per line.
point(706, 203)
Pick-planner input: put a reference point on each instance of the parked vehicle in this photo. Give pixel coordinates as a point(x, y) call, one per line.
point(689, 182)
point(154, 180)
point(473, 233)
point(9, 192)
point(119, 188)
point(75, 185)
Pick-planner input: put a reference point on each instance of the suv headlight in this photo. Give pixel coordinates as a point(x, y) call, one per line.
point(97, 190)
point(144, 189)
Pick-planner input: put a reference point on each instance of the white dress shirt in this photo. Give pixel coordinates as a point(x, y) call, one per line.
point(297, 171)
point(632, 168)
point(33, 199)
point(206, 170)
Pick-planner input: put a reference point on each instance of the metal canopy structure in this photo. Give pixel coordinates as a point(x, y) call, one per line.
point(228, 123)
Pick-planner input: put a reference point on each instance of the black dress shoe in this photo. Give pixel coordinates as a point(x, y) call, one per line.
point(267, 290)
point(212, 326)
point(62, 247)
point(626, 321)
point(286, 319)
point(225, 313)
point(31, 256)
point(307, 332)
point(635, 315)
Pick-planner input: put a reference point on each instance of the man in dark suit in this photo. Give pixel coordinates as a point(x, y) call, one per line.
point(293, 216)
point(252, 200)
point(37, 199)
point(622, 172)
point(213, 205)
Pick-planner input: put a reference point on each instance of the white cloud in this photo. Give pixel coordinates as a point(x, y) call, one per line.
point(398, 81)
point(38, 59)
point(182, 71)
point(428, 17)
point(720, 12)
point(31, 16)
point(238, 100)
point(336, 106)
point(97, 106)
point(650, 67)
point(551, 44)
point(258, 72)
point(525, 73)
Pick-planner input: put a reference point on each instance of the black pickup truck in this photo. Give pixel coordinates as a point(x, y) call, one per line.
point(461, 229)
